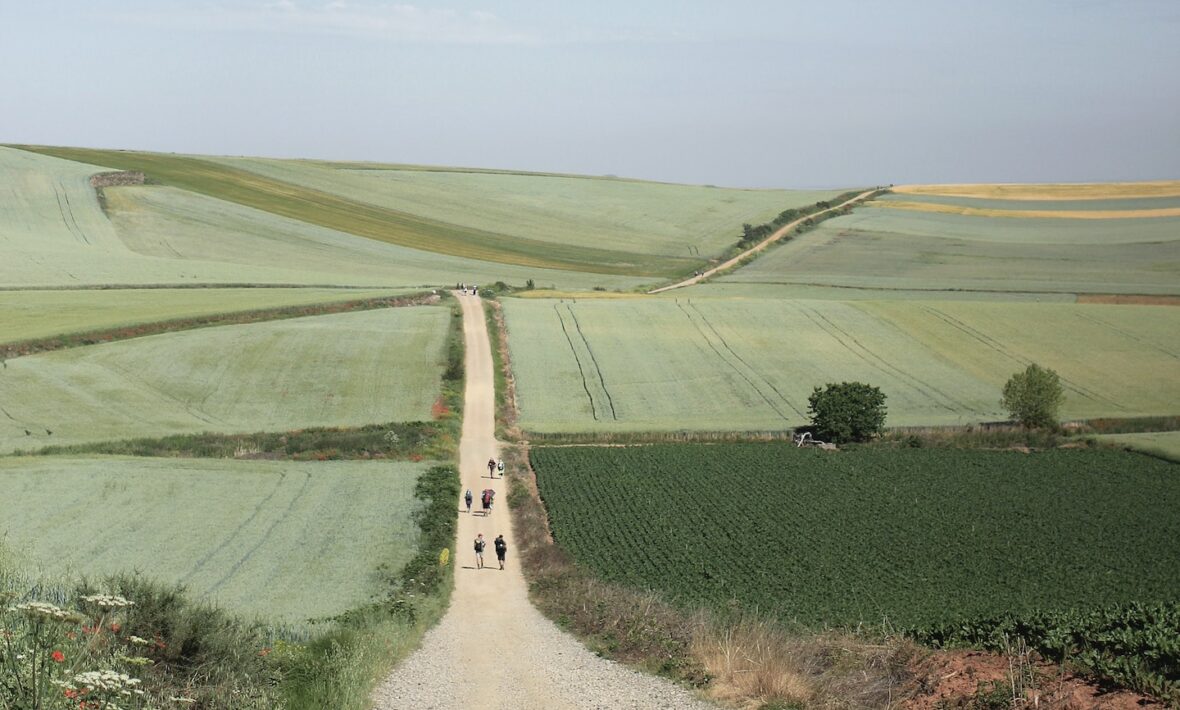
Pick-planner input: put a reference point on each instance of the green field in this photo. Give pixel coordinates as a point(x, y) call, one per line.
point(336, 370)
point(26, 315)
point(750, 364)
point(1157, 443)
point(564, 210)
point(900, 250)
point(285, 541)
point(910, 537)
point(653, 230)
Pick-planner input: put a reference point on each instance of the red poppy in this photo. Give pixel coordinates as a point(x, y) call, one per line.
point(264, 652)
point(57, 656)
point(115, 628)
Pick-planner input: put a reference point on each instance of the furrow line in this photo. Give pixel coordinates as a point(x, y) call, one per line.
point(578, 326)
point(241, 526)
point(574, 351)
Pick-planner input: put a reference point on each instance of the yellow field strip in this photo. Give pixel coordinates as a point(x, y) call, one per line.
point(1054, 214)
point(1049, 191)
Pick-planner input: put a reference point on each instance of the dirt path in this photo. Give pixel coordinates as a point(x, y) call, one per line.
point(493, 649)
point(760, 245)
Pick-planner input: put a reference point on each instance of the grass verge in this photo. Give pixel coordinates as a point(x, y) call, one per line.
point(9, 351)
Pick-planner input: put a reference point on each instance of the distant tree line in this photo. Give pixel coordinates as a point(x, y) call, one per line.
point(752, 234)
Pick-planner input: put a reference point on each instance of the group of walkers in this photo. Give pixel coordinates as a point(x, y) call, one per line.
point(468, 289)
point(487, 499)
point(501, 550)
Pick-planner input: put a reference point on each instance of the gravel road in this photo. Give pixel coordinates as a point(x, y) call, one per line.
point(493, 649)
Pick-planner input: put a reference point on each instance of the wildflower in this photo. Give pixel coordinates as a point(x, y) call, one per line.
point(115, 628)
point(108, 601)
point(264, 652)
point(182, 700)
point(138, 641)
point(42, 610)
point(57, 656)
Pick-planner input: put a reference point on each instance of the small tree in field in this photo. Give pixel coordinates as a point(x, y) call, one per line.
point(1033, 397)
point(849, 411)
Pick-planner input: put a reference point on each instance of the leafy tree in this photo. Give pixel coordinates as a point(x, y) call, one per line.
point(849, 411)
point(1033, 397)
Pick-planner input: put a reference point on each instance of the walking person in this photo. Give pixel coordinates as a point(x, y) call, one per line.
point(479, 545)
point(491, 468)
point(501, 549)
point(500, 467)
point(467, 499)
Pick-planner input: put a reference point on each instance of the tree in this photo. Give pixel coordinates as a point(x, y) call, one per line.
point(849, 411)
point(1033, 397)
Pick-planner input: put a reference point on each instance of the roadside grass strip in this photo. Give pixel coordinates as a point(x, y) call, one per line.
point(720, 365)
point(901, 538)
point(283, 541)
point(33, 315)
point(349, 369)
point(367, 220)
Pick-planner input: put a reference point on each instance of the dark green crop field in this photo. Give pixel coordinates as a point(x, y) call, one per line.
point(917, 537)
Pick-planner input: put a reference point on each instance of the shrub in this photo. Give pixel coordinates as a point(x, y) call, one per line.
point(1033, 397)
point(849, 411)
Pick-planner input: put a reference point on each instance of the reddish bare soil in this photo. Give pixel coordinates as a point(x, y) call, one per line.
point(951, 679)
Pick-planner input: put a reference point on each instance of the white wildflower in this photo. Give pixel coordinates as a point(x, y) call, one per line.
point(45, 611)
point(139, 641)
point(108, 601)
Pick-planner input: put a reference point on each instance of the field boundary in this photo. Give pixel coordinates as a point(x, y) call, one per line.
point(9, 351)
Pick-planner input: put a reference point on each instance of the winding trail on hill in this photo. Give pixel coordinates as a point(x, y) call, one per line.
point(778, 234)
point(493, 649)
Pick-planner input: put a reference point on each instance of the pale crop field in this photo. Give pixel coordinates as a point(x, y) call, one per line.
point(171, 224)
point(1050, 191)
point(720, 364)
point(26, 315)
point(888, 250)
point(1117, 361)
point(54, 233)
point(623, 215)
point(976, 211)
point(335, 370)
point(280, 540)
point(750, 364)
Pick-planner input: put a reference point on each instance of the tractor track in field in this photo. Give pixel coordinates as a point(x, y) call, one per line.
point(742, 360)
point(262, 504)
point(574, 352)
point(1130, 336)
point(993, 344)
point(578, 326)
point(735, 368)
point(879, 363)
point(265, 536)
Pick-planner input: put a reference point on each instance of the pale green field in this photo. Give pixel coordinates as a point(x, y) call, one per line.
point(282, 540)
point(54, 234)
point(1088, 205)
point(623, 215)
point(901, 250)
point(750, 364)
point(337, 370)
point(25, 315)
point(1159, 443)
point(167, 223)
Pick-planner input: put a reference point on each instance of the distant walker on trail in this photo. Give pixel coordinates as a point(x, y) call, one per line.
point(500, 467)
point(467, 499)
point(491, 468)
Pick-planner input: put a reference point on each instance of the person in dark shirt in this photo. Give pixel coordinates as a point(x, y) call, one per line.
point(501, 549)
point(479, 545)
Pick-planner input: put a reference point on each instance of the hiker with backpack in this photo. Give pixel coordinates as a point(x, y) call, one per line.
point(491, 468)
point(501, 549)
point(467, 499)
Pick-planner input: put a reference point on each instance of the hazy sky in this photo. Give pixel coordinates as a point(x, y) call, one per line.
point(726, 92)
